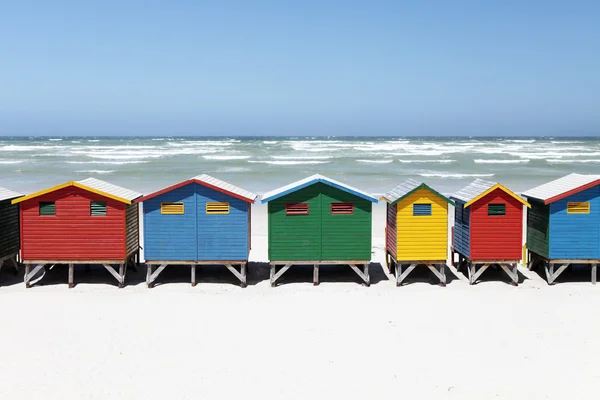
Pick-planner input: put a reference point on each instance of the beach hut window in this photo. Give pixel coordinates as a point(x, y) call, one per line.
point(217, 208)
point(97, 208)
point(421, 210)
point(578, 208)
point(296, 209)
point(172, 208)
point(342, 208)
point(47, 208)
point(496, 209)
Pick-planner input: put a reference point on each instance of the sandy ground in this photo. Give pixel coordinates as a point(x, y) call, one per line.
point(296, 341)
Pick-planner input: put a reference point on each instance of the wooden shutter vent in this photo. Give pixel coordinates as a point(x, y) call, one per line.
point(342, 208)
point(578, 208)
point(217, 208)
point(421, 210)
point(296, 209)
point(496, 209)
point(172, 208)
point(97, 208)
point(47, 208)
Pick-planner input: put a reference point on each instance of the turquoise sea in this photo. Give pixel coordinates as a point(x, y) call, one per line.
point(375, 164)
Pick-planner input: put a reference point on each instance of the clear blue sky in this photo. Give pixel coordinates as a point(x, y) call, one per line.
point(300, 67)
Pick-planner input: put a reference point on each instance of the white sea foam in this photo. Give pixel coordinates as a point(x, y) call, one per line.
point(483, 161)
point(302, 157)
point(522, 140)
point(579, 161)
point(130, 156)
point(453, 175)
point(15, 147)
point(376, 161)
point(426, 161)
point(224, 158)
point(11, 161)
point(270, 141)
point(96, 171)
point(55, 140)
point(289, 162)
point(109, 162)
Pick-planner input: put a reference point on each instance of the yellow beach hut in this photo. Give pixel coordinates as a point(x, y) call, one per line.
point(416, 230)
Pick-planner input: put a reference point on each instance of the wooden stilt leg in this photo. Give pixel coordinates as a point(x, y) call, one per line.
point(244, 273)
point(122, 275)
point(594, 274)
point(71, 273)
point(193, 275)
point(398, 273)
point(316, 275)
point(272, 278)
point(27, 278)
point(443, 273)
point(148, 274)
point(367, 276)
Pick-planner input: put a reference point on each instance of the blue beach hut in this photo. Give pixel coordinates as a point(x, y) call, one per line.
point(202, 220)
point(563, 225)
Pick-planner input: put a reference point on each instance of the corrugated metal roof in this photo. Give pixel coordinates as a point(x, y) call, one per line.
point(472, 190)
point(292, 187)
point(111, 189)
point(402, 190)
point(228, 187)
point(406, 188)
point(560, 186)
point(7, 194)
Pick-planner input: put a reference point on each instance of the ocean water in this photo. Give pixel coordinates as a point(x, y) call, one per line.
point(259, 164)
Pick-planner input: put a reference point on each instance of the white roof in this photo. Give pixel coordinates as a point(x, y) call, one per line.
point(560, 186)
point(7, 194)
point(111, 189)
point(226, 186)
point(292, 187)
point(472, 190)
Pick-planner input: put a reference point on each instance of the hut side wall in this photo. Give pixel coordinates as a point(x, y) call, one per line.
point(171, 237)
point(345, 236)
point(538, 228)
point(221, 236)
point(9, 228)
point(462, 229)
point(422, 237)
point(295, 237)
point(576, 236)
point(391, 233)
point(132, 228)
point(72, 234)
point(497, 237)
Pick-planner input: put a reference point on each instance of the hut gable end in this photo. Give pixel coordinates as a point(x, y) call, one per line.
point(72, 233)
point(9, 228)
point(496, 237)
point(421, 236)
point(575, 236)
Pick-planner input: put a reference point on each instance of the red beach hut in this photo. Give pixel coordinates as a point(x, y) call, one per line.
point(84, 222)
point(488, 228)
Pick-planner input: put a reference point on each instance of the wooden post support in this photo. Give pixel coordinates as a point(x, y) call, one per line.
point(443, 272)
point(594, 274)
point(272, 275)
point(25, 279)
point(367, 275)
point(244, 273)
point(193, 275)
point(71, 273)
point(551, 275)
point(316, 275)
point(148, 274)
point(398, 272)
point(404, 274)
point(122, 275)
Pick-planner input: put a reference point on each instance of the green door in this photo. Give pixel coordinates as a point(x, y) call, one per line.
point(295, 226)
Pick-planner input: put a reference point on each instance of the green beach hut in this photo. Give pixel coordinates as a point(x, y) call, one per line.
point(319, 221)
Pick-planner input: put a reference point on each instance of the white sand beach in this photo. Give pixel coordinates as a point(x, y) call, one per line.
point(296, 341)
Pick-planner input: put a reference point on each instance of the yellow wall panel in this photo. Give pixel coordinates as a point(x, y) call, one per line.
point(422, 237)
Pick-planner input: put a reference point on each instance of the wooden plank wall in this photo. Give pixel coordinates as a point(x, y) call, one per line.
point(9, 228)
point(538, 228)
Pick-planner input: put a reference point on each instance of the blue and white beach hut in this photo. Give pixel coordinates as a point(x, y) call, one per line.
point(202, 220)
point(563, 225)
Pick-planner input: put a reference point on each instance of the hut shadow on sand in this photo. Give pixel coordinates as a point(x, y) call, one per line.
point(422, 274)
point(575, 273)
point(301, 273)
point(493, 274)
